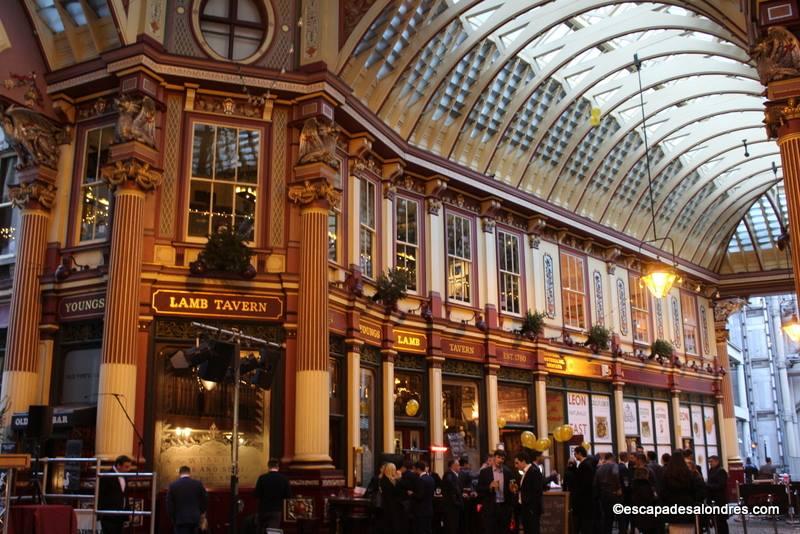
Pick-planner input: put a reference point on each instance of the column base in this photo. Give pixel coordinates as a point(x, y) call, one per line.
point(312, 421)
point(114, 433)
point(21, 389)
point(313, 487)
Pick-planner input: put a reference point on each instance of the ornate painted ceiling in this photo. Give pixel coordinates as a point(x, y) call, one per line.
point(508, 88)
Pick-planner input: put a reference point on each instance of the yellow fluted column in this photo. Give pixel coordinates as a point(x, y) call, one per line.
point(493, 428)
point(314, 195)
point(130, 177)
point(388, 399)
point(34, 196)
point(353, 406)
point(619, 416)
point(675, 398)
point(726, 416)
point(436, 412)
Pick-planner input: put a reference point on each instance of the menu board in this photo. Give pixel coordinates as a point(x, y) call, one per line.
point(646, 423)
point(708, 425)
point(661, 412)
point(630, 423)
point(686, 424)
point(456, 441)
point(578, 412)
point(697, 425)
point(555, 513)
point(601, 418)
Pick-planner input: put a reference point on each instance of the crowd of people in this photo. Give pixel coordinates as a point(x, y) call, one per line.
point(508, 499)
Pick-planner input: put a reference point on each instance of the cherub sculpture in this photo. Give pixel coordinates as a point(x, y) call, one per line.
point(33, 137)
point(318, 143)
point(137, 119)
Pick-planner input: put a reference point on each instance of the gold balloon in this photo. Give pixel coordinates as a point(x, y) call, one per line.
point(412, 407)
point(562, 433)
point(528, 439)
point(501, 422)
point(549, 443)
point(586, 445)
point(542, 444)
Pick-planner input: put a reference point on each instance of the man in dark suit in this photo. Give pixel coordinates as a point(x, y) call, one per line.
point(111, 496)
point(582, 493)
point(530, 493)
point(422, 500)
point(187, 501)
point(271, 489)
point(717, 491)
point(452, 497)
point(494, 494)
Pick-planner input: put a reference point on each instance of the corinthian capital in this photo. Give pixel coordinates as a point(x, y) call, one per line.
point(33, 137)
point(131, 172)
point(32, 195)
point(725, 308)
point(309, 191)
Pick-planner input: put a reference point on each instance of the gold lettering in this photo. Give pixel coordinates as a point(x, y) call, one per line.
point(461, 349)
point(409, 340)
point(369, 331)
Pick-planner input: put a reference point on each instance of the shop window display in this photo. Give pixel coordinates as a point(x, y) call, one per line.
point(461, 402)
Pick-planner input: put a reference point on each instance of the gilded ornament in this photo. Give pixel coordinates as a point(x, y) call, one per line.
point(434, 205)
point(318, 143)
point(26, 195)
point(32, 136)
point(389, 190)
point(137, 119)
point(777, 55)
point(776, 116)
point(308, 192)
point(132, 170)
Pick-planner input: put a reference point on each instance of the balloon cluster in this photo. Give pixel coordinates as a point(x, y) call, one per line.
point(562, 433)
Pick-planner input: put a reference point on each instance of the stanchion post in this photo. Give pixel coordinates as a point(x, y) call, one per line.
point(744, 516)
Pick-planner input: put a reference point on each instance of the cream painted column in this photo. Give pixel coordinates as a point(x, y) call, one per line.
point(130, 177)
point(388, 399)
point(724, 443)
point(675, 399)
point(540, 394)
point(436, 413)
point(313, 193)
point(387, 226)
point(34, 196)
point(619, 416)
point(487, 261)
point(435, 261)
point(492, 425)
point(353, 222)
point(729, 447)
point(353, 405)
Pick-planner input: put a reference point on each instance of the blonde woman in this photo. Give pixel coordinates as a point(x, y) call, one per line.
point(390, 514)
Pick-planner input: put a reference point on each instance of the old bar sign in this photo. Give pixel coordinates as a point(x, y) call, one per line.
point(82, 307)
point(190, 303)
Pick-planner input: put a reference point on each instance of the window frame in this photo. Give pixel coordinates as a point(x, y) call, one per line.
point(520, 268)
point(586, 315)
point(259, 226)
point(472, 280)
point(12, 159)
point(692, 306)
point(376, 215)
point(268, 20)
point(635, 284)
point(80, 188)
point(419, 245)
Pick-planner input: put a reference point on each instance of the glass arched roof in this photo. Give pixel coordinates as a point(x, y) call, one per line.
point(507, 88)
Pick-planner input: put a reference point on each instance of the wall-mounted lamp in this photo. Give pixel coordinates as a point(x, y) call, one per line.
point(67, 267)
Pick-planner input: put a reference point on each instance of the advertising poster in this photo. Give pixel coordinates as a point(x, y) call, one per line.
point(646, 423)
point(686, 424)
point(631, 425)
point(709, 426)
point(661, 410)
point(601, 418)
point(578, 413)
point(697, 425)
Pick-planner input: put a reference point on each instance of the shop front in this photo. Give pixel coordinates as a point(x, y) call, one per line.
point(646, 419)
point(698, 426)
point(516, 404)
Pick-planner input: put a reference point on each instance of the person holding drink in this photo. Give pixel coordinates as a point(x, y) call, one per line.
point(495, 494)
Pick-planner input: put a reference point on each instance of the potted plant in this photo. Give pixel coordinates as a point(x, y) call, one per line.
point(225, 252)
point(662, 348)
point(391, 287)
point(532, 325)
point(598, 338)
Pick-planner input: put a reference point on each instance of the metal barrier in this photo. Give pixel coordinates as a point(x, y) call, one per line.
point(91, 496)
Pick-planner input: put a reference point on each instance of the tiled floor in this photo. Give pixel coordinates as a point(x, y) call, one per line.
point(758, 526)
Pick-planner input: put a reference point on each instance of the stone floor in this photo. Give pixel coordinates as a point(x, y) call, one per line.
point(760, 526)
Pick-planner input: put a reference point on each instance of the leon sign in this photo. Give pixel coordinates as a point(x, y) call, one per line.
point(223, 305)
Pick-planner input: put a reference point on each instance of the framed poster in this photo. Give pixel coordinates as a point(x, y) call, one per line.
point(601, 418)
point(630, 421)
point(661, 412)
point(709, 426)
point(686, 423)
point(646, 423)
point(697, 424)
point(578, 413)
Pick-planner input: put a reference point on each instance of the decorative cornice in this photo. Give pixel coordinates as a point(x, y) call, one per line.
point(318, 142)
point(34, 138)
point(131, 171)
point(308, 192)
point(723, 309)
point(778, 114)
point(31, 195)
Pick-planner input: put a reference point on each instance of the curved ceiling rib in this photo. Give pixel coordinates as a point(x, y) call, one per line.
point(506, 88)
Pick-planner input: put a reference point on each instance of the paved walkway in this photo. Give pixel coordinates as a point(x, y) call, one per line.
point(758, 526)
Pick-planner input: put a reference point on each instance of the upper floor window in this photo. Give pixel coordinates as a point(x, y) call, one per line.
point(367, 229)
point(95, 193)
point(236, 30)
point(407, 238)
point(690, 330)
point(224, 181)
point(640, 309)
point(509, 271)
point(459, 258)
point(333, 234)
point(573, 290)
point(9, 217)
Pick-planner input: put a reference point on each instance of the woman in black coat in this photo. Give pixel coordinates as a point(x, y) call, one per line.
point(390, 512)
point(643, 494)
point(681, 487)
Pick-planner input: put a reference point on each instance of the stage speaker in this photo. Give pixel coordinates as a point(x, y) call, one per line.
point(40, 422)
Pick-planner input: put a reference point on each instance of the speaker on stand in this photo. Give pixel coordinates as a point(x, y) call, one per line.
point(39, 429)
